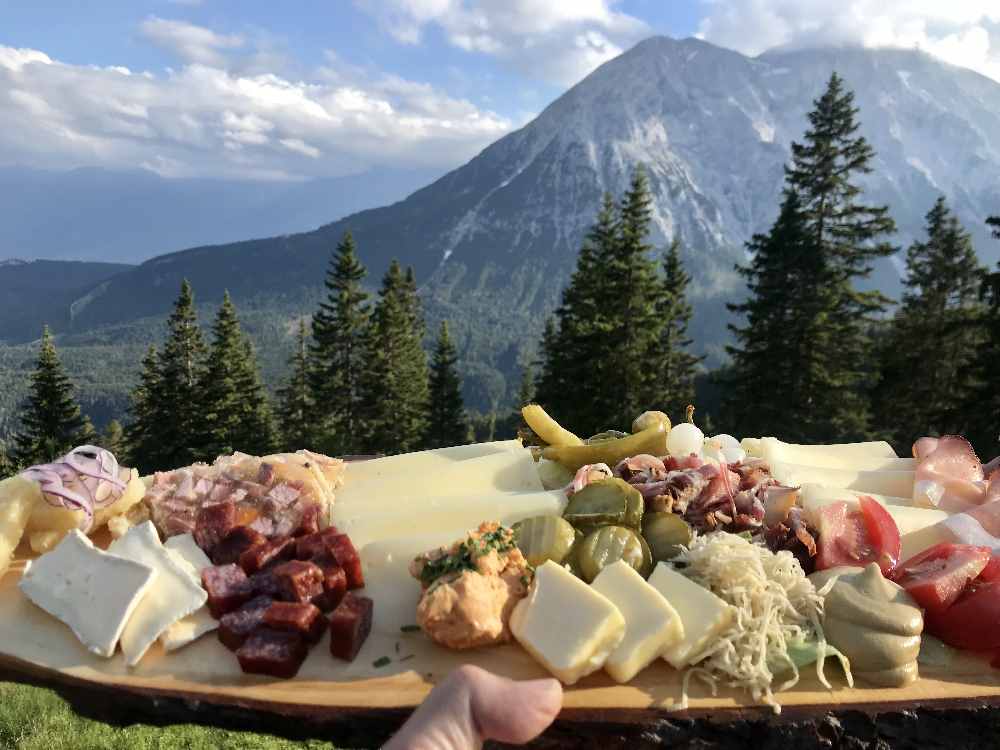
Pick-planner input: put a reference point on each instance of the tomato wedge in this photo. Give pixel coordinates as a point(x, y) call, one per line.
point(992, 570)
point(972, 622)
point(859, 536)
point(937, 576)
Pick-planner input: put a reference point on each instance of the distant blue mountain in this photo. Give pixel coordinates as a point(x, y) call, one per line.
point(130, 216)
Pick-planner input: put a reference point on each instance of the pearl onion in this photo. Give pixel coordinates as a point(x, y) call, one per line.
point(685, 439)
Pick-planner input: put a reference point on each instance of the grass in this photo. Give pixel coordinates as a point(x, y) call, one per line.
point(33, 718)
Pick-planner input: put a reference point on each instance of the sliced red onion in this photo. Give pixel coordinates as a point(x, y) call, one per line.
point(74, 481)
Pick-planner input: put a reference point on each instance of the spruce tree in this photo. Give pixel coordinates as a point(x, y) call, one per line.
point(338, 353)
point(446, 421)
point(113, 439)
point(255, 432)
point(181, 404)
point(142, 432)
point(671, 364)
point(394, 386)
point(982, 401)
point(51, 422)
point(928, 349)
point(994, 223)
point(296, 408)
point(765, 390)
point(6, 465)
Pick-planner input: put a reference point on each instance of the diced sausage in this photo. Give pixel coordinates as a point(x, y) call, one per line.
point(265, 582)
point(212, 524)
point(309, 523)
point(304, 619)
point(236, 626)
point(228, 587)
point(260, 556)
point(311, 546)
point(350, 624)
point(235, 543)
point(276, 653)
point(299, 581)
point(334, 587)
point(342, 549)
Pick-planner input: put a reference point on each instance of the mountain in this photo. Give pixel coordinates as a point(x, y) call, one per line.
point(67, 215)
point(493, 242)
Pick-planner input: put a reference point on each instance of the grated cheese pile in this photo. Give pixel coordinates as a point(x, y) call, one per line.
point(775, 604)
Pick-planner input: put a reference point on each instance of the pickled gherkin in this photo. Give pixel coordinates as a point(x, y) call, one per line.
point(542, 538)
point(606, 501)
point(609, 544)
point(665, 533)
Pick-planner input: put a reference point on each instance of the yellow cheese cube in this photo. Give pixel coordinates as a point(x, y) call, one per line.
point(651, 623)
point(566, 625)
point(702, 613)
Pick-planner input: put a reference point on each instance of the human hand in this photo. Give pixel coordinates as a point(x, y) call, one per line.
point(471, 706)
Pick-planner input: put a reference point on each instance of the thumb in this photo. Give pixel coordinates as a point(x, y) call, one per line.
point(513, 712)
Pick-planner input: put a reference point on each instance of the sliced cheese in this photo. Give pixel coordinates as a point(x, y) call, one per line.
point(506, 471)
point(194, 626)
point(959, 528)
point(752, 447)
point(365, 525)
point(817, 495)
point(177, 592)
point(388, 582)
point(567, 626)
point(423, 462)
point(892, 483)
point(703, 614)
point(829, 455)
point(93, 592)
point(908, 519)
point(189, 551)
point(651, 624)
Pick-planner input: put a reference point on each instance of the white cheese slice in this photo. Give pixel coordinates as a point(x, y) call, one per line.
point(566, 625)
point(958, 528)
point(702, 613)
point(893, 483)
point(177, 592)
point(194, 626)
point(93, 592)
point(908, 519)
point(188, 629)
point(189, 551)
point(422, 462)
point(365, 525)
point(830, 455)
point(651, 624)
point(815, 496)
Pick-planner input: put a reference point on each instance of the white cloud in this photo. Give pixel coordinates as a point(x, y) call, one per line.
point(962, 32)
point(206, 120)
point(190, 43)
point(556, 41)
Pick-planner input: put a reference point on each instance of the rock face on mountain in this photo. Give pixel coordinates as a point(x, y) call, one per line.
point(494, 241)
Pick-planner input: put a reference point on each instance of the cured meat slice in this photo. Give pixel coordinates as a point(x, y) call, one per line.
point(228, 587)
point(236, 626)
point(350, 624)
point(334, 587)
point(213, 523)
point(309, 523)
point(949, 474)
point(304, 619)
point(260, 556)
point(299, 581)
point(343, 551)
point(235, 543)
point(311, 546)
point(276, 653)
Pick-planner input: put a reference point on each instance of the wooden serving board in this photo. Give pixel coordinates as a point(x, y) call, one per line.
point(32, 642)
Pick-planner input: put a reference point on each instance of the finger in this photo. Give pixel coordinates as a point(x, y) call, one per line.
point(512, 712)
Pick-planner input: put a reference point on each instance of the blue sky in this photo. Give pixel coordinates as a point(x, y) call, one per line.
point(279, 90)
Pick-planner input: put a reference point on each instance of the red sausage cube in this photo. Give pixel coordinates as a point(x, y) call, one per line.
point(334, 587)
point(299, 581)
point(342, 549)
point(212, 524)
point(228, 588)
point(315, 545)
point(350, 624)
point(309, 524)
point(236, 626)
point(275, 653)
point(235, 543)
point(260, 556)
point(304, 619)
point(265, 582)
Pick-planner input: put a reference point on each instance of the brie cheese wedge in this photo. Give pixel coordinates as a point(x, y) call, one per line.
point(93, 592)
point(177, 592)
point(188, 629)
